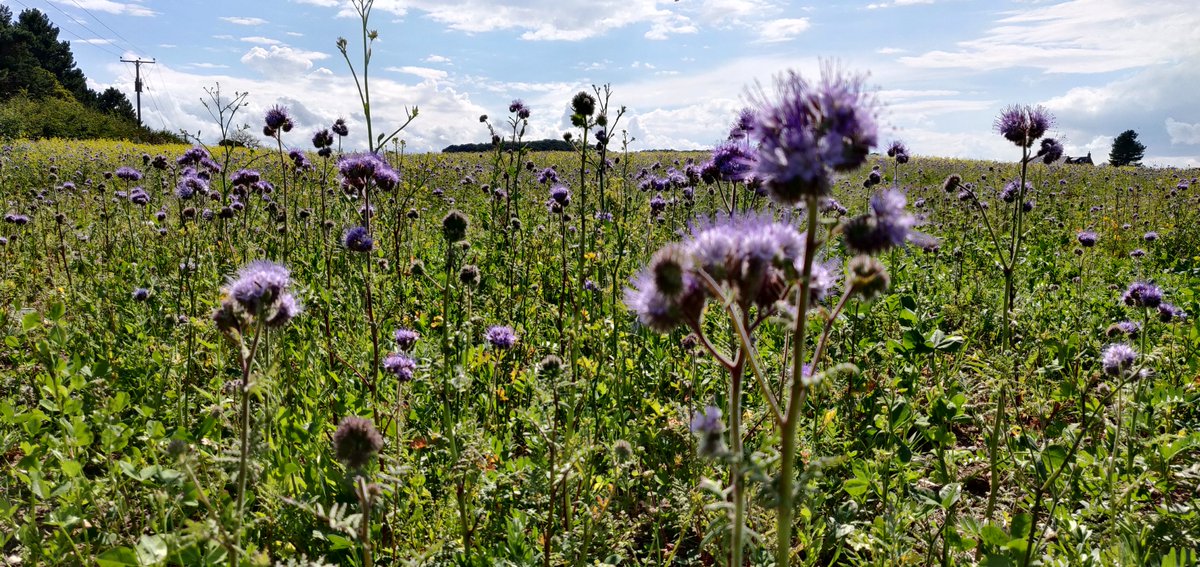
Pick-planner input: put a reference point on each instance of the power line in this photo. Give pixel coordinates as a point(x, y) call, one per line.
point(77, 22)
point(81, 39)
point(115, 32)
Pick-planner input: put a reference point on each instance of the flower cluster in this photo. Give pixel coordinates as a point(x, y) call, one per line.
point(356, 441)
point(757, 258)
point(898, 151)
point(356, 239)
point(358, 170)
point(277, 119)
point(1024, 125)
point(887, 225)
point(259, 294)
point(501, 337)
point(811, 131)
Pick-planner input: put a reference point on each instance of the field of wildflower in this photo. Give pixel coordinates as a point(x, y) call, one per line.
point(805, 347)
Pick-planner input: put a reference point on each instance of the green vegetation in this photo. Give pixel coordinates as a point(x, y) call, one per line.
point(44, 95)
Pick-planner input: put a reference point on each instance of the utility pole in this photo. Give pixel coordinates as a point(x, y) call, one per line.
point(137, 82)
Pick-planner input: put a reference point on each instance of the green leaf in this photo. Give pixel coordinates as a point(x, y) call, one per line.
point(151, 550)
point(856, 487)
point(118, 557)
point(57, 310)
point(31, 321)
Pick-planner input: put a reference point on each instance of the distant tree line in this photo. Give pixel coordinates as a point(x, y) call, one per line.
point(547, 145)
point(44, 95)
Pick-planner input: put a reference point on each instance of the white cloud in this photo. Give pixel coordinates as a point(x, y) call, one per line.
point(261, 40)
point(281, 61)
point(783, 30)
point(243, 21)
point(315, 98)
point(539, 20)
point(1078, 36)
point(890, 50)
point(208, 65)
point(167, 45)
point(1182, 132)
point(437, 59)
point(110, 7)
point(422, 72)
point(96, 41)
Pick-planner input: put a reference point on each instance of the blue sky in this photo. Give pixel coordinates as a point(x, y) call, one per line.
point(944, 68)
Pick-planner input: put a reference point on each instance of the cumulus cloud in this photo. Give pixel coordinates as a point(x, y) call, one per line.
point(242, 21)
point(281, 61)
point(110, 7)
point(1077, 36)
point(783, 30)
point(422, 72)
point(316, 99)
point(1183, 132)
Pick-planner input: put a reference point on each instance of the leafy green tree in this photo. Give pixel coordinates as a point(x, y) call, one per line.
point(1126, 150)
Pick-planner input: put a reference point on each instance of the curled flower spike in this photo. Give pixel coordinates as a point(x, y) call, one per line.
point(1117, 360)
point(1023, 125)
point(707, 425)
point(356, 441)
point(810, 131)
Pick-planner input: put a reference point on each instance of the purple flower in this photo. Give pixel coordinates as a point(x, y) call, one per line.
point(548, 175)
point(339, 127)
point(1087, 238)
point(385, 177)
point(259, 286)
point(322, 139)
point(1012, 190)
point(189, 185)
point(898, 151)
point(1023, 125)
point(518, 106)
point(1137, 253)
point(277, 119)
point(810, 131)
point(501, 337)
point(400, 365)
point(141, 294)
point(245, 177)
point(886, 226)
point(707, 426)
point(1150, 236)
point(405, 338)
point(732, 160)
point(138, 196)
point(356, 239)
point(560, 195)
point(1168, 312)
point(1050, 151)
point(193, 156)
point(1117, 359)
point(744, 125)
point(128, 174)
point(1142, 294)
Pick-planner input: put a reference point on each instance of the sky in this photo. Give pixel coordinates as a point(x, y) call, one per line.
point(942, 69)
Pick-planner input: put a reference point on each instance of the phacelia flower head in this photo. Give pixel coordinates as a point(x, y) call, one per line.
point(548, 175)
point(733, 160)
point(358, 169)
point(744, 125)
point(1168, 312)
point(322, 138)
point(582, 104)
point(189, 186)
point(1087, 238)
point(1050, 151)
point(518, 107)
point(454, 226)
point(886, 226)
point(141, 294)
point(356, 239)
point(898, 151)
point(707, 425)
point(560, 195)
point(193, 156)
point(356, 441)
point(810, 131)
point(405, 338)
point(129, 174)
point(400, 366)
point(339, 127)
point(501, 337)
point(245, 177)
point(1142, 294)
point(1117, 359)
point(1150, 236)
point(259, 286)
point(1023, 125)
point(276, 119)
